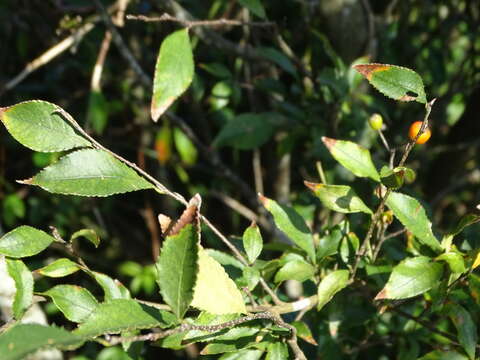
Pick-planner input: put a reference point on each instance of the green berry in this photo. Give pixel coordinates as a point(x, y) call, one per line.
point(376, 121)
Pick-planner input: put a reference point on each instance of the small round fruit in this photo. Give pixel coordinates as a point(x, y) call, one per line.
point(376, 121)
point(415, 128)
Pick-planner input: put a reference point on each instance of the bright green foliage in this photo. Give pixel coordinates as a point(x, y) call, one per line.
point(328, 244)
point(59, 268)
point(330, 285)
point(454, 260)
point(255, 6)
point(120, 315)
point(466, 328)
point(252, 242)
point(304, 332)
point(24, 286)
point(394, 178)
point(443, 355)
point(24, 241)
point(89, 172)
point(177, 269)
point(75, 302)
point(412, 277)
point(186, 149)
point(393, 81)
point(113, 289)
point(341, 198)
point(292, 224)
point(88, 234)
point(298, 269)
point(39, 126)
point(353, 157)
point(23, 339)
point(277, 351)
point(173, 72)
point(412, 215)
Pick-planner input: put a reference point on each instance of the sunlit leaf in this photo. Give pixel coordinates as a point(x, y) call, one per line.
point(24, 241)
point(330, 285)
point(298, 270)
point(88, 234)
point(252, 242)
point(59, 268)
point(23, 279)
point(466, 328)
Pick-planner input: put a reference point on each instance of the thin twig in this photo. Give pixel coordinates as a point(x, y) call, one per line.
point(210, 23)
point(383, 239)
point(95, 83)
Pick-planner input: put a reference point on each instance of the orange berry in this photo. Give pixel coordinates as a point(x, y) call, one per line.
point(415, 128)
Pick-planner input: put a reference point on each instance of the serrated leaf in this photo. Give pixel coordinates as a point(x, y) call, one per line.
point(24, 241)
point(59, 268)
point(177, 269)
point(330, 285)
point(466, 328)
point(298, 270)
point(396, 82)
point(341, 198)
point(252, 242)
point(23, 279)
point(292, 224)
point(23, 339)
point(277, 351)
point(39, 126)
point(75, 302)
point(112, 288)
point(255, 6)
point(353, 157)
point(412, 215)
point(246, 131)
point(89, 172)
point(173, 72)
point(214, 291)
point(88, 234)
point(412, 277)
point(120, 315)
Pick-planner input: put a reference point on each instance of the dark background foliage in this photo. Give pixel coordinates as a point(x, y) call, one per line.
point(309, 88)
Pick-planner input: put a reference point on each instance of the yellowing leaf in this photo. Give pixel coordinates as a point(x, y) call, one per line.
point(476, 263)
point(214, 291)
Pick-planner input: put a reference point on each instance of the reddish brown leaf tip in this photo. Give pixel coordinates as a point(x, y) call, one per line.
point(164, 222)
point(367, 70)
point(262, 199)
point(26, 181)
point(311, 185)
point(196, 200)
point(381, 295)
point(329, 142)
point(253, 224)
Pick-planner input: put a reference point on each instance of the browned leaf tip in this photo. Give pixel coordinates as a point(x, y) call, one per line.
point(311, 185)
point(157, 111)
point(367, 70)
point(253, 224)
point(165, 223)
point(329, 142)
point(264, 200)
point(407, 98)
point(190, 215)
point(309, 339)
point(26, 181)
point(381, 295)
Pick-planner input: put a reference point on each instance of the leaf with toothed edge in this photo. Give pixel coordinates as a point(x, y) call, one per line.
point(88, 172)
point(24, 241)
point(173, 72)
point(39, 126)
point(396, 82)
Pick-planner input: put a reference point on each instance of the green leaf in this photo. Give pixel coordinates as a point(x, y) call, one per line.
point(88, 234)
point(255, 6)
point(412, 215)
point(23, 284)
point(395, 82)
point(466, 328)
point(59, 268)
point(39, 126)
point(330, 285)
point(120, 315)
point(278, 58)
point(464, 222)
point(214, 291)
point(251, 276)
point(298, 270)
point(247, 354)
point(412, 277)
point(252, 242)
point(23, 339)
point(341, 198)
point(394, 178)
point(24, 241)
point(173, 72)
point(247, 131)
point(277, 351)
point(228, 346)
point(177, 269)
point(443, 355)
point(304, 332)
point(186, 149)
point(97, 111)
point(13, 209)
point(89, 172)
point(328, 244)
point(292, 224)
point(352, 156)
point(224, 258)
point(75, 302)
point(455, 262)
point(113, 289)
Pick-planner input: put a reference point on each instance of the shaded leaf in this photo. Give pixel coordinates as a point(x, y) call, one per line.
point(88, 234)
point(173, 72)
point(304, 332)
point(412, 277)
point(252, 242)
point(24, 241)
point(298, 270)
point(75, 302)
point(412, 215)
point(39, 126)
point(59, 268)
point(466, 328)
point(278, 58)
point(185, 147)
point(352, 156)
point(113, 289)
point(177, 269)
point(330, 285)
point(255, 6)
point(394, 178)
point(464, 222)
point(23, 279)
point(341, 198)
point(328, 244)
point(13, 344)
point(120, 315)
point(97, 112)
point(89, 172)
point(396, 82)
point(292, 224)
point(277, 351)
point(443, 355)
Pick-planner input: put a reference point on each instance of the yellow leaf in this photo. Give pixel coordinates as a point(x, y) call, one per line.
point(214, 291)
point(476, 263)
